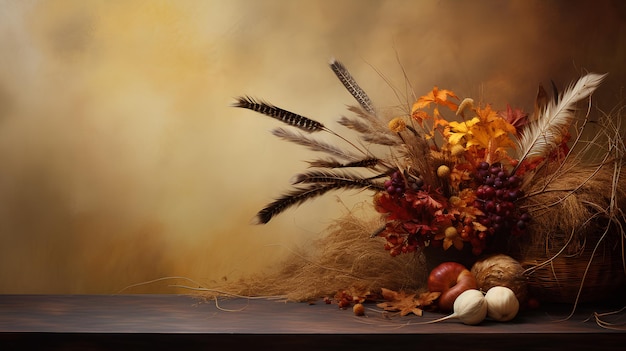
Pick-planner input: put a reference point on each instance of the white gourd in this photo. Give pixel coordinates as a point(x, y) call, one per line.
point(502, 305)
point(471, 307)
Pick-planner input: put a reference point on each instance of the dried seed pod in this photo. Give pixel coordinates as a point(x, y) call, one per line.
point(358, 309)
point(443, 171)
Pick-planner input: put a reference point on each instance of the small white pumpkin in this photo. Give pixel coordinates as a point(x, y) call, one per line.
point(502, 305)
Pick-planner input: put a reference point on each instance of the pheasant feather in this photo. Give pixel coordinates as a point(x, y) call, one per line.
point(541, 136)
point(301, 195)
point(350, 83)
point(330, 177)
point(290, 118)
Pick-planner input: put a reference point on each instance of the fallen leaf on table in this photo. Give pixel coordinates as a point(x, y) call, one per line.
point(406, 303)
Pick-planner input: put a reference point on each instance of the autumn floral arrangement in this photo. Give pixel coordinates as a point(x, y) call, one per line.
point(467, 193)
point(454, 175)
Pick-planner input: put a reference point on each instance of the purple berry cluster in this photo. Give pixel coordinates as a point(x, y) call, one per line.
point(398, 183)
point(496, 195)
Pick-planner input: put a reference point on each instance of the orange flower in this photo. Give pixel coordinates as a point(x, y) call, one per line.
point(419, 116)
point(439, 97)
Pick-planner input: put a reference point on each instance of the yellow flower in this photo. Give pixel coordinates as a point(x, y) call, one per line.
point(397, 125)
point(458, 130)
point(491, 128)
point(486, 131)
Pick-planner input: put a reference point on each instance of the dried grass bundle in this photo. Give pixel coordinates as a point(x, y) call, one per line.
point(328, 266)
point(570, 200)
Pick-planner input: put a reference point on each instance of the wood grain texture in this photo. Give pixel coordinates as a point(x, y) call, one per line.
point(164, 321)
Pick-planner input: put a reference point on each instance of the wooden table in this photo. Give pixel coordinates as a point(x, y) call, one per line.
point(98, 322)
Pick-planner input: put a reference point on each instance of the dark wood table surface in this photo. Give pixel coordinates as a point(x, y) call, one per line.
point(177, 321)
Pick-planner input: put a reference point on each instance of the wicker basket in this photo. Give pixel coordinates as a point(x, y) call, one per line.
point(575, 250)
point(583, 276)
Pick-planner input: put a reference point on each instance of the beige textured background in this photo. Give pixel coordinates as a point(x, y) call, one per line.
point(121, 160)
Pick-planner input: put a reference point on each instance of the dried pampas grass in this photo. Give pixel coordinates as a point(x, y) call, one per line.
point(346, 258)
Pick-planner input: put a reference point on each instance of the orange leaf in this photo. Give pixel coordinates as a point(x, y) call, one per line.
point(406, 303)
point(427, 298)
